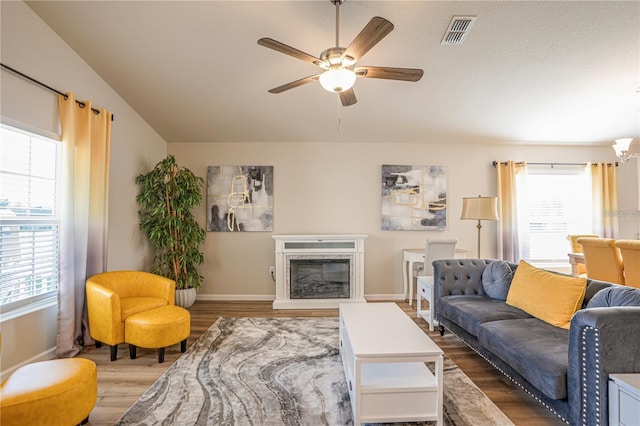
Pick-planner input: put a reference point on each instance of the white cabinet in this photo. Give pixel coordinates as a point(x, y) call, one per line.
point(624, 399)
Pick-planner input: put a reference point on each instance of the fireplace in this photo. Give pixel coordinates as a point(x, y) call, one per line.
point(318, 271)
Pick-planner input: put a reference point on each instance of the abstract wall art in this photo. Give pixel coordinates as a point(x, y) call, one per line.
point(239, 198)
point(414, 198)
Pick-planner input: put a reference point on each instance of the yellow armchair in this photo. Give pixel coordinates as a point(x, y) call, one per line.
point(49, 393)
point(114, 296)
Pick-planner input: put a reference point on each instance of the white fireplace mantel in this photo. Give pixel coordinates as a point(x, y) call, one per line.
point(318, 247)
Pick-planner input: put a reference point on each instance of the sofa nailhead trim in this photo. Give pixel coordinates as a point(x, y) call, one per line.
point(583, 347)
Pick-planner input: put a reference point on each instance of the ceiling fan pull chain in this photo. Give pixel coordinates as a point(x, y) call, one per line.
point(339, 119)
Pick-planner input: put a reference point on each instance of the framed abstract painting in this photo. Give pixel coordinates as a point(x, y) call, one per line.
point(239, 198)
point(414, 198)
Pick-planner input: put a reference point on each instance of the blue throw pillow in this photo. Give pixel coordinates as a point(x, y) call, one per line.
point(496, 279)
point(615, 296)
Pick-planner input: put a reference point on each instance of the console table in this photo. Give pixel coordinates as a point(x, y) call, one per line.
point(384, 354)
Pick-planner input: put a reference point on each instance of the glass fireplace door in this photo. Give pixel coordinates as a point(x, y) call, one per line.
point(319, 279)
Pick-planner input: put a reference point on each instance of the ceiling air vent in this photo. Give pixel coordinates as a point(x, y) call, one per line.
point(458, 29)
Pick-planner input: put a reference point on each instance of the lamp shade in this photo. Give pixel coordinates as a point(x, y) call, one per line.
point(479, 208)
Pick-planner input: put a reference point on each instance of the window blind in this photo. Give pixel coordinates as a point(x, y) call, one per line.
point(558, 203)
point(29, 227)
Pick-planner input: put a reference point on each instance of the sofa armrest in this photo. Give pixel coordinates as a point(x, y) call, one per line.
point(104, 314)
point(601, 341)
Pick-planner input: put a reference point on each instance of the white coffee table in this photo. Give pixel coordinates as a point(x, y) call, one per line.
point(384, 354)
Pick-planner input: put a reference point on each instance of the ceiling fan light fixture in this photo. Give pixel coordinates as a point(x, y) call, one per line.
point(337, 80)
point(621, 148)
point(338, 64)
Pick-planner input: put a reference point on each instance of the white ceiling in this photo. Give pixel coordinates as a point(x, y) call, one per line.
point(540, 71)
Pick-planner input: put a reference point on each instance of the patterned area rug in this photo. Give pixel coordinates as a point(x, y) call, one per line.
point(278, 371)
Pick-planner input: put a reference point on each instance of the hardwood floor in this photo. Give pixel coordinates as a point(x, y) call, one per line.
point(122, 382)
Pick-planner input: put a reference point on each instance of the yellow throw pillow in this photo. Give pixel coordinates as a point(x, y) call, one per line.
point(550, 297)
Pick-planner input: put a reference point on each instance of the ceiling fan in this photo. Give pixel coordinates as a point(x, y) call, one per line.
point(339, 63)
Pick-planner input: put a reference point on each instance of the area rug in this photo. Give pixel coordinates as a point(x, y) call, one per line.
point(278, 371)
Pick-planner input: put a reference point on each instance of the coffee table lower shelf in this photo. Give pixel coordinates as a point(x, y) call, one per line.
point(395, 392)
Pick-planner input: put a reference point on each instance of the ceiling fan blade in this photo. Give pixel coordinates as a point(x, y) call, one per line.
point(294, 84)
point(288, 50)
point(388, 73)
point(348, 97)
point(371, 34)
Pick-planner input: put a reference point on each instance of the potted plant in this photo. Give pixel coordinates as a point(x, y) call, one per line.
point(168, 193)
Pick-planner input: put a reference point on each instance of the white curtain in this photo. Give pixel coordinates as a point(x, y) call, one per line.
point(509, 175)
point(605, 199)
point(86, 139)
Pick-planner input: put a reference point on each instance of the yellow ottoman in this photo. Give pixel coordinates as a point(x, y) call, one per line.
point(56, 392)
point(158, 328)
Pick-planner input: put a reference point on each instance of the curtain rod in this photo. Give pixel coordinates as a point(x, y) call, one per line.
point(495, 163)
point(49, 88)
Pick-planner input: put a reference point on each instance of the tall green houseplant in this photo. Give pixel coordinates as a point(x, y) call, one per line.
point(168, 193)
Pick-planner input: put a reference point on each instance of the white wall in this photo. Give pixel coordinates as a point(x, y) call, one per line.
point(31, 47)
point(325, 188)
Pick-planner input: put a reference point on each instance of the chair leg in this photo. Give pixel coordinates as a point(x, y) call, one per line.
point(441, 328)
point(98, 344)
point(85, 421)
point(183, 345)
point(161, 355)
point(132, 351)
point(114, 352)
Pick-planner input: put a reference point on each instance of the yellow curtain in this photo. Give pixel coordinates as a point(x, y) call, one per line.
point(508, 236)
point(86, 137)
point(605, 199)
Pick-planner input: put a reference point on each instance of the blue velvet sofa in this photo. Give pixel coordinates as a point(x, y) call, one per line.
point(565, 370)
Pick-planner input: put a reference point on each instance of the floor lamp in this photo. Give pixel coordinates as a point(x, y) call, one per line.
point(479, 208)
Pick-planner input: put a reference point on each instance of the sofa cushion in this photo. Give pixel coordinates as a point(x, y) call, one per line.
point(496, 279)
point(535, 349)
point(615, 296)
point(549, 296)
point(469, 312)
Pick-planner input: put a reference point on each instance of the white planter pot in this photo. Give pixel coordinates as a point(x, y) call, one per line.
point(186, 297)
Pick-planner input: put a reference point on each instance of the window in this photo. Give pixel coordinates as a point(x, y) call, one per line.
point(557, 203)
point(29, 228)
